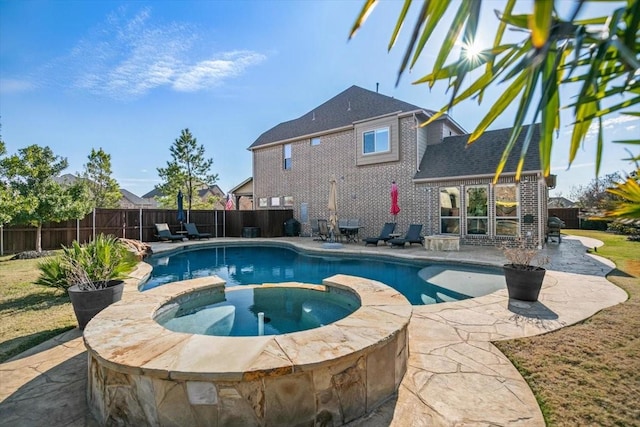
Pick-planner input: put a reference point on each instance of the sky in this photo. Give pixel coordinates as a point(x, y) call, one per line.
point(127, 77)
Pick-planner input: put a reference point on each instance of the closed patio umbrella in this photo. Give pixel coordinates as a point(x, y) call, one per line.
point(333, 206)
point(395, 208)
point(180, 209)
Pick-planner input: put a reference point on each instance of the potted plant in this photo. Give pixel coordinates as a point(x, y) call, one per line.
point(92, 273)
point(524, 272)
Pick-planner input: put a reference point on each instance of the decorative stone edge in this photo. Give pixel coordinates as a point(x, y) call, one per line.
point(126, 338)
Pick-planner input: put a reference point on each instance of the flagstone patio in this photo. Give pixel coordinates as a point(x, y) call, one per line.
point(455, 376)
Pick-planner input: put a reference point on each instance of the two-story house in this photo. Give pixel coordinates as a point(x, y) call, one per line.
point(367, 140)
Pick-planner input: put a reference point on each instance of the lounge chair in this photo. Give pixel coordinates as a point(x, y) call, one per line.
point(315, 229)
point(323, 229)
point(412, 236)
point(192, 231)
point(384, 234)
point(165, 234)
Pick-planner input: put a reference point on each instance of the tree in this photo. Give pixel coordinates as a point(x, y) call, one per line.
point(595, 197)
point(105, 191)
point(10, 201)
point(30, 174)
point(629, 193)
point(189, 171)
point(599, 56)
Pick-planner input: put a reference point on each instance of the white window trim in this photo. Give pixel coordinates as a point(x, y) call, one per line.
point(458, 217)
point(516, 217)
point(284, 157)
point(467, 217)
point(373, 153)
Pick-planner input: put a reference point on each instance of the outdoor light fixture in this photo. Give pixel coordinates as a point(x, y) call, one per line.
point(551, 181)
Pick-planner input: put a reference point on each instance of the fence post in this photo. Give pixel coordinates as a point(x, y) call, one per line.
point(215, 221)
point(94, 224)
point(78, 230)
point(1, 239)
point(140, 222)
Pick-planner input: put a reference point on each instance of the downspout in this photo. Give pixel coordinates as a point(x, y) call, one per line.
point(540, 231)
point(415, 120)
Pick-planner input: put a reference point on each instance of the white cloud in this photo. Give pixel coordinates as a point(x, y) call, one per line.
point(15, 86)
point(127, 57)
point(610, 123)
point(210, 73)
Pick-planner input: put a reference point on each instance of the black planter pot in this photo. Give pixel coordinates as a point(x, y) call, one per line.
point(87, 304)
point(523, 284)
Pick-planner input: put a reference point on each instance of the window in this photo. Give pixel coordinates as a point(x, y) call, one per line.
point(275, 201)
point(287, 156)
point(375, 141)
point(288, 200)
point(477, 209)
point(450, 210)
point(262, 202)
point(315, 141)
point(507, 218)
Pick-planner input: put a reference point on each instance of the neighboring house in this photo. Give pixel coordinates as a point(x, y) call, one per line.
point(128, 200)
point(131, 201)
point(243, 195)
point(367, 140)
point(561, 202)
point(204, 194)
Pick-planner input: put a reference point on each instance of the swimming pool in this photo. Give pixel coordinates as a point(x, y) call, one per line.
point(420, 282)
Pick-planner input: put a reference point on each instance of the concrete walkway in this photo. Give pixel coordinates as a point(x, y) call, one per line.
point(455, 375)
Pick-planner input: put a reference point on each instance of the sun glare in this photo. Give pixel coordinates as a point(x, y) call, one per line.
point(472, 50)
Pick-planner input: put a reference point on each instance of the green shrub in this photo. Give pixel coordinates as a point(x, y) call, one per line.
point(594, 224)
point(90, 265)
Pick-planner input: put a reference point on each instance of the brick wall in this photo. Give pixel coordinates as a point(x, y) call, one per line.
point(364, 191)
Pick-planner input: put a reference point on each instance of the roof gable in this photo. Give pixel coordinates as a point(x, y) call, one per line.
point(453, 158)
point(352, 105)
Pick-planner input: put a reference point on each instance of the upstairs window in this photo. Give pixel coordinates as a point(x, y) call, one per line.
point(315, 141)
point(286, 157)
point(375, 141)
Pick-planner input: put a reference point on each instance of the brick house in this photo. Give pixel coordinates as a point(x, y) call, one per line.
point(366, 140)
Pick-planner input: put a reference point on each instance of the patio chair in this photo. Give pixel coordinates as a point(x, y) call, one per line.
point(192, 231)
point(384, 234)
point(165, 234)
point(315, 229)
point(412, 236)
point(323, 229)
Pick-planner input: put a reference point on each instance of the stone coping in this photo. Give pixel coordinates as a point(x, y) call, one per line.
point(319, 249)
point(126, 338)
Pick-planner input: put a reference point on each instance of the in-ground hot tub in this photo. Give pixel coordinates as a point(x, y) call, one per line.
point(141, 373)
point(256, 310)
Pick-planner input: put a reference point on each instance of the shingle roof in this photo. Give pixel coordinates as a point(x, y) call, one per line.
point(132, 197)
point(352, 105)
point(452, 157)
point(151, 194)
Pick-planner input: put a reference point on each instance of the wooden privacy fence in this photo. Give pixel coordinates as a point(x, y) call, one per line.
point(570, 216)
point(139, 224)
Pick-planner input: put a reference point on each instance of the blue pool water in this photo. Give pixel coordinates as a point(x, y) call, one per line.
point(235, 313)
point(420, 282)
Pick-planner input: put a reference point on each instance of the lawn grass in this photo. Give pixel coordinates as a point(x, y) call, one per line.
point(589, 373)
point(29, 314)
